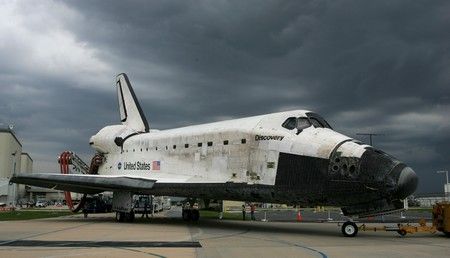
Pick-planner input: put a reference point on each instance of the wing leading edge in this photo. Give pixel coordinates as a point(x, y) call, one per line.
point(89, 184)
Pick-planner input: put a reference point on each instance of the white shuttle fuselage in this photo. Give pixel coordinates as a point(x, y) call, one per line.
point(236, 151)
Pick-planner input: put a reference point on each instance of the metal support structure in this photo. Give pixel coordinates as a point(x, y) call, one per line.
point(221, 210)
point(68, 158)
point(329, 215)
point(446, 191)
point(12, 188)
point(265, 217)
point(79, 165)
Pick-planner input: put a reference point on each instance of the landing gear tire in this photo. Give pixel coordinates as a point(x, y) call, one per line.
point(195, 215)
point(186, 214)
point(120, 216)
point(349, 229)
point(401, 232)
point(130, 216)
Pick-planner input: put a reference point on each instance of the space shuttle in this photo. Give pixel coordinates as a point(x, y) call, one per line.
point(292, 157)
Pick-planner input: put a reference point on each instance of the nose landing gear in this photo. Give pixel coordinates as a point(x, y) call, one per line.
point(349, 229)
point(189, 214)
point(125, 216)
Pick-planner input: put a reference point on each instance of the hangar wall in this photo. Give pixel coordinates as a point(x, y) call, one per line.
point(10, 152)
point(26, 166)
point(11, 162)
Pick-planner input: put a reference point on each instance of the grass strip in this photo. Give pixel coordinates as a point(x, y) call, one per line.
point(30, 214)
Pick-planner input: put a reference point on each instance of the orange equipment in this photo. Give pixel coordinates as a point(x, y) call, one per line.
point(299, 216)
point(441, 217)
point(69, 158)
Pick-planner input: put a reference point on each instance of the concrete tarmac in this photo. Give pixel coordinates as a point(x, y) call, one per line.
point(100, 236)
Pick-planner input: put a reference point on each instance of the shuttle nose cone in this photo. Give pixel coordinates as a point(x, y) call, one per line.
point(406, 183)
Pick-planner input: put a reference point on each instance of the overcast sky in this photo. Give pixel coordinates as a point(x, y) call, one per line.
point(366, 66)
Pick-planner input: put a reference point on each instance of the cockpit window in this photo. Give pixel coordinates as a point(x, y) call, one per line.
point(290, 123)
point(315, 122)
point(318, 121)
point(299, 123)
point(302, 123)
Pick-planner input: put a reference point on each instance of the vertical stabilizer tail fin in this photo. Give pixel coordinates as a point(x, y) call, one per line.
point(131, 113)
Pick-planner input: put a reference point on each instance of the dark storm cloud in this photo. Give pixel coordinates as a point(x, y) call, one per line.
point(371, 66)
point(313, 48)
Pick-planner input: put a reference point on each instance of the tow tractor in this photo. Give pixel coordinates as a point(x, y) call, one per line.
point(440, 222)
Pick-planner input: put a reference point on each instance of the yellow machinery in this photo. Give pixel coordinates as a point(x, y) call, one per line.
point(441, 222)
point(441, 217)
point(405, 229)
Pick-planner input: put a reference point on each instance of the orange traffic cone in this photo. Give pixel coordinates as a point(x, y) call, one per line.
point(299, 216)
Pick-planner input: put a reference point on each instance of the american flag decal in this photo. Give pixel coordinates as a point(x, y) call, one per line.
point(156, 165)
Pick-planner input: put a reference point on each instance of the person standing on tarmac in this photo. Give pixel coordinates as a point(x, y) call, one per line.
point(243, 211)
point(252, 211)
point(145, 208)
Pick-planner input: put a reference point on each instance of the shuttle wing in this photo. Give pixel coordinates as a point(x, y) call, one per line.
point(89, 184)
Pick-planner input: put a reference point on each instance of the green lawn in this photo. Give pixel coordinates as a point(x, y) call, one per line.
point(31, 214)
point(418, 209)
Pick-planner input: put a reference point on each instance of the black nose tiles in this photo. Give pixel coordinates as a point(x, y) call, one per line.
point(375, 166)
point(407, 183)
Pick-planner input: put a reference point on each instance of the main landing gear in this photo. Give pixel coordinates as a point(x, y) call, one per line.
point(190, 214)
point(125, 216)
point(349, 229)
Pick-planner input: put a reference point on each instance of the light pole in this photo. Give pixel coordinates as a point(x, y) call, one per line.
point(446, 174)
point(12, 194)
point(446, 186)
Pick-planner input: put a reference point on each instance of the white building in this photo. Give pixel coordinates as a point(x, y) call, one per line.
point(46, 194)
point(429, 201)
point(26, 166)
point(447, 191)
point(11, 161)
